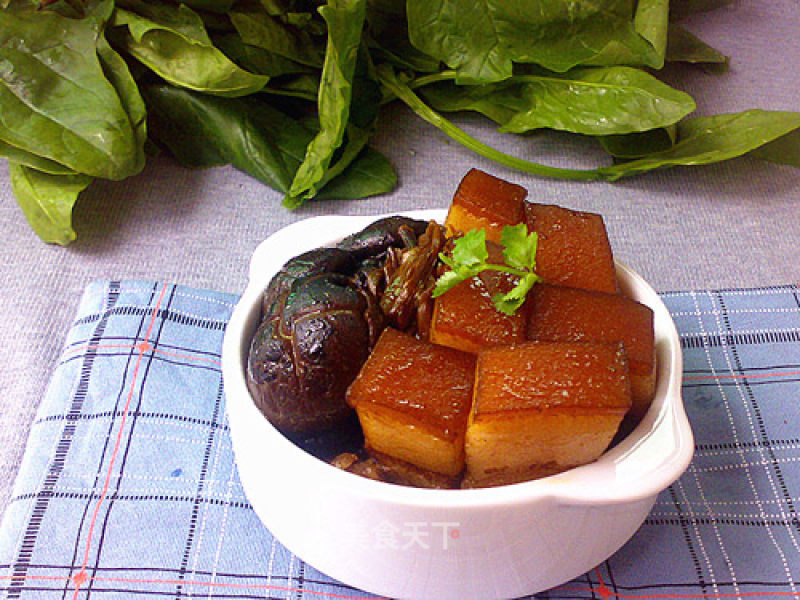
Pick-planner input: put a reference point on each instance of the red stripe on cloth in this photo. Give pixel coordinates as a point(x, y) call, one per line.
point(208, 584)
point(606, 593)
point(93, 347)
point(602, 590)
point(82, 576)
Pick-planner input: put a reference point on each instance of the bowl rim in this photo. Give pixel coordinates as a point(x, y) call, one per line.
point(641, 465)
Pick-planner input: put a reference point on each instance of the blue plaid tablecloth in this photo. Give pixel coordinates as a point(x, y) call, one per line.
point(128, 488)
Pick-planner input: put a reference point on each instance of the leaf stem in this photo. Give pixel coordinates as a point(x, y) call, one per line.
point(505, 269)
point(407, 95)
point(447, 75)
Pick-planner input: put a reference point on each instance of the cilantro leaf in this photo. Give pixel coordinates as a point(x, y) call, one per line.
point(469, 259)
point(519, 246)
point(509, 303)
point(446, 282)
point(470, 249)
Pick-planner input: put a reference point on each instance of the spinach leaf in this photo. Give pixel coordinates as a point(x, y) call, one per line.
point(47, 200)
point(247, 133)
point(482, 39)
point(28, 159)
point(402, 56)
point(369, 174)
point(395, 86)
point(213, 6)
point(680, 9)
point(116, 71)
point(590, 101)
point(65, 8)
point(243, 78)
point(684, 46)
point(705, 140)
point(173, 42)
point(651, 21)
point(165, 16)
point(56, 101)
point(257, 28)
point(600, 101)
point(637, 145)
point(256, 59)
point(345, 19)
point(784, 150)
point(304, 86)
point(365, 103)
point(254, 137)
point(701, 140)
point(387, 37)
point(497, 101)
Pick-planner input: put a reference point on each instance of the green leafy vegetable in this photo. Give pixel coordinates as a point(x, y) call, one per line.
point(253, 136)
point(482, 39)
point(47, 200)
point(635, 145)
point(684, 46)
point(173, 42)
point(345, 19)
point(56, 101)
point(369, 174)
point(591, 101)
point(291, 91)
point(21, 156)
point(247, 133)
point(116, 71)
point(387, 37)
point(680, 9)
point(258, 28)
point(705, 140)
point(401, 90)
point(257, 59)
point(651, 22)
point(214, 6)
point(469, 259)
point(784, 150)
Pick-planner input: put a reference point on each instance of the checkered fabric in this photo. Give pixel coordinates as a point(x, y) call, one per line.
point(129, 489)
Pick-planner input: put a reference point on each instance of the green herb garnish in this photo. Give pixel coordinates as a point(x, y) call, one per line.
point(469, 259)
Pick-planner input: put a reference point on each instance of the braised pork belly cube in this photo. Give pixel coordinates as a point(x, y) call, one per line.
point(465, 317)
point(543, 407)
point(413, 400)
point(573, 247)
point(564, 314)
point(483, 201)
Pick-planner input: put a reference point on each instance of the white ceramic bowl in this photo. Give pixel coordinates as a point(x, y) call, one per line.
point(402, 542)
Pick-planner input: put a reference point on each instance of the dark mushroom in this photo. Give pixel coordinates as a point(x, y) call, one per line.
point(320, 318)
